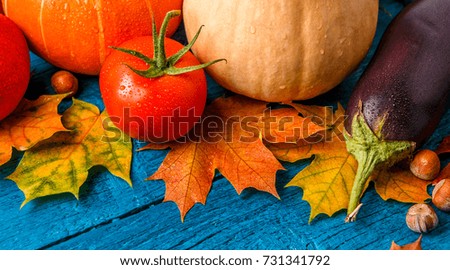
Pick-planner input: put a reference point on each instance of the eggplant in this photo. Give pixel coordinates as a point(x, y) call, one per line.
point(400, 98)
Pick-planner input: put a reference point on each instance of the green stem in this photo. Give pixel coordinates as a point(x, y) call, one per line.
point(160, 52)
point(366, 165)
point(371, 152)
point(160, 65)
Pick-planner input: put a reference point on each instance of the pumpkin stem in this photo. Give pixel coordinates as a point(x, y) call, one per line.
point(161, 65)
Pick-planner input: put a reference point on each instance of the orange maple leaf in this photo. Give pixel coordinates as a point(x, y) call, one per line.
point(401, 185)
point(319, 142)
point(30, 123)
point(229, 139)
point(416, 245)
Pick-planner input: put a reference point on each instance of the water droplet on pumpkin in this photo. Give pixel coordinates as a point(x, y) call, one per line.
point(252, 29)
point(322, 51)
point(282, 87)
point(122, 87)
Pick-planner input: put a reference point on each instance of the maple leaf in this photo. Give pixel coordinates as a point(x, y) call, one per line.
point(416, 245)
point(328, 180)
point(30, 123)
point(401, 185)
point(229, 139)
point(60, 164)
point(317, 143)
point(444, 146)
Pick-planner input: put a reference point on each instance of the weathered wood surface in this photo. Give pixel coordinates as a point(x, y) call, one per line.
point(111, 215)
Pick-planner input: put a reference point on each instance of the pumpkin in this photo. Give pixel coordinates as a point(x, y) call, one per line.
point(281, 50)
point(76, 35)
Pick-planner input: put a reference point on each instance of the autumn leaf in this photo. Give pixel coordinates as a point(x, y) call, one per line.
point(30, 123)
point(444, 147)
point(319, 142)
point(229, 139)
point(60, 164)
point(401, 185)
point(416, 245)
point(328, 180)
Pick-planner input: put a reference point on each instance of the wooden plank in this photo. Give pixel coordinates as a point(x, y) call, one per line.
point(258, 221)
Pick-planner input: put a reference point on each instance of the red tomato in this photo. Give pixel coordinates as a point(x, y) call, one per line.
point(14, 66)
point(152, 109)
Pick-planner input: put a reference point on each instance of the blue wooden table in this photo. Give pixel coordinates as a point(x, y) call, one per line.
point(111, 215)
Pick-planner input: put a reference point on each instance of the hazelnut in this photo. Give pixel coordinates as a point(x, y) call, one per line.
point(425, 165)
point(441, 195)
point(64, 82)
point(421, 218)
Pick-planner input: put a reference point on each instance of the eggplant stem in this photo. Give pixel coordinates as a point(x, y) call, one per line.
point(352, 216)
point(371, 152)
point(366, 166)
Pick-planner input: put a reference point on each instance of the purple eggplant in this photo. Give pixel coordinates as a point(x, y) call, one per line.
point(402, 95)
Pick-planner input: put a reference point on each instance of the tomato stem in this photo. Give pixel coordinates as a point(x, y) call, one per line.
point(161, 65)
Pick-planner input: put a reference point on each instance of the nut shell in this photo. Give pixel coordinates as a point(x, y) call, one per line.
point(421, 218)
point(64, 82)
point(425, 165)
point(441, 195)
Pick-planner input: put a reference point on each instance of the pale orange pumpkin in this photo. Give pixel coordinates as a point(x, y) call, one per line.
point(281, 50)
point(75, 34)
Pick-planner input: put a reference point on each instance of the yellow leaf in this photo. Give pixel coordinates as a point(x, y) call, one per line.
point(30, 123)
point(401, 185)
point(327, 181)
point(60, 164)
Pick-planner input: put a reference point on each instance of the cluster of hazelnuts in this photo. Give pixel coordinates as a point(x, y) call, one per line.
point(421, 217)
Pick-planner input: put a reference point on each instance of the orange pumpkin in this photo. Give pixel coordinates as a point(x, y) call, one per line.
point(75, 35)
